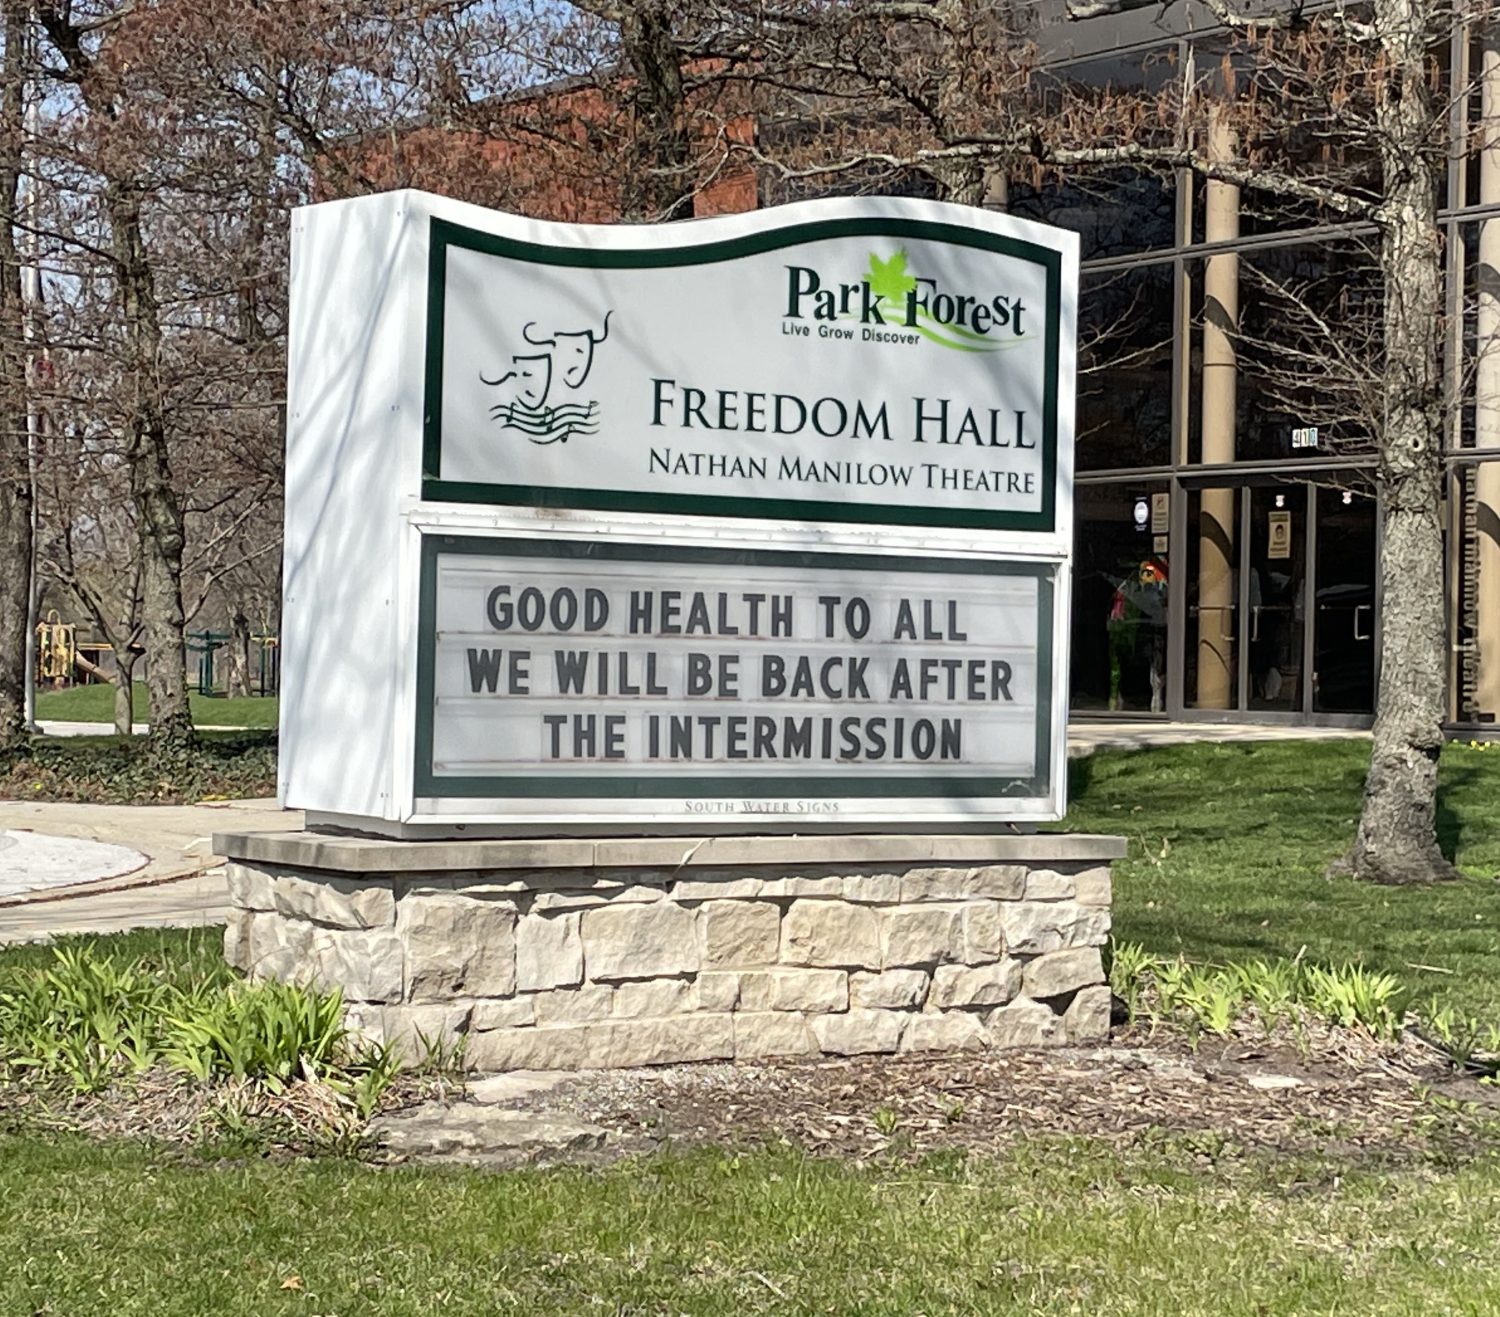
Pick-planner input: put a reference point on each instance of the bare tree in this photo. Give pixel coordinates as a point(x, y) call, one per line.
point(15, 484)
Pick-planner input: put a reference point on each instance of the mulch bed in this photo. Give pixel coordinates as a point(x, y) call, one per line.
point(1340, 1093)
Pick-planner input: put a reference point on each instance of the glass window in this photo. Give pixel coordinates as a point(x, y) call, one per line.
point(1125, 369)
point(1120, 587)
point(1303, 376)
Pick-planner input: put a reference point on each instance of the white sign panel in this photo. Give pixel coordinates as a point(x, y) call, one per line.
point(693, 680)
point(871, 368)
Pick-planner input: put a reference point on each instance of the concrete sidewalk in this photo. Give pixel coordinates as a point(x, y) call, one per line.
point(183, 886)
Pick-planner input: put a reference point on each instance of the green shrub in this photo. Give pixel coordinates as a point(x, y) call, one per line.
point(134, 770)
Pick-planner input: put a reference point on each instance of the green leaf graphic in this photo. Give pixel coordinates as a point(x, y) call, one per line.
point(888, 279)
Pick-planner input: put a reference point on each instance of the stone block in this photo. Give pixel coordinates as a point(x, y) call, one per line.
point(894, 989)
point(418, 1032)
point(717, 889)
point(975, 985)
point(1033, 928)
point(995, 882)
point(873, 888)
point(573, 1005)
point(282, 949)
point(365, 1022)
point(983, 932)
point(1025, 1023)
point(943, 1031)
point(1087, 1018)
point(772, 1033)
point(250, 888)
point(798, 886)
point(718, 991)
point(811, 990)
point(237, 938)
point(567, 900)
point(366, 964)
point(620, 1043)
point(1094, 886)
point(857, 1032)
point(502, 1013)
point(457, 947)
point(1061, 972)
point(920, 935)
point(549, 952)
point(1048, 885)
point(655, 997)
point(640, 941)
point(739, 933)
point(335, 902)
point(831, 933)
point(565, 1047)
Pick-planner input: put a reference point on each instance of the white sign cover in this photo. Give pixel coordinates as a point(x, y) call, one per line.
point(871, 367)
point(718, 680)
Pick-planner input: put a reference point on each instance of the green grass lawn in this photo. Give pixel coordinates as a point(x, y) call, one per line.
point(96, 704)
point(1227, 850)
point(1053, 1227)
point(1228, 844)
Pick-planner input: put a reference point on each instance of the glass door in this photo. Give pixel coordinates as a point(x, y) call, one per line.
point(1343, 679)
point(1275, 565)
point(1280, 601)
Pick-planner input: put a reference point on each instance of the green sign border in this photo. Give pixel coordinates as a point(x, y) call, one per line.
point(622, 785)
point(445, 234)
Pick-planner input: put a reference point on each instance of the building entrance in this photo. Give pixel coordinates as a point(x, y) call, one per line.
point(1280, 587)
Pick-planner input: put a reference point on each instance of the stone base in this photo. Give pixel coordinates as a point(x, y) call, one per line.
point(549, 955)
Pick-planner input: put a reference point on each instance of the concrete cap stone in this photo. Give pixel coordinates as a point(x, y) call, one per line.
point(387, 856)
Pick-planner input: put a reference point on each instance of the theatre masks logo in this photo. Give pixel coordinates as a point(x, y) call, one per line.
point(539, 394)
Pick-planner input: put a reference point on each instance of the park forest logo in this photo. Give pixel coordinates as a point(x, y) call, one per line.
point(893, 304)
point(560, 360)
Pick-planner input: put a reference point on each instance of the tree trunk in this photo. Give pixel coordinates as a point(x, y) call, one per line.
point(1396, 841)
point(158, 508)
point(239, 654)
point(15, 477)
point(124, 697)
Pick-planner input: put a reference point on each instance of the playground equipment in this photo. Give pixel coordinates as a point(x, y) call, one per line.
point(267, 660)
point(62, 660)
point(56, 649)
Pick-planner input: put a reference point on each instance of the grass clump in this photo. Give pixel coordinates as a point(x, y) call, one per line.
point(1213, 998)
point(90, 1021)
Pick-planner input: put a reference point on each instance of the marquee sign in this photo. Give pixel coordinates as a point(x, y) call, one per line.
point(726, 680)
point(760, 521)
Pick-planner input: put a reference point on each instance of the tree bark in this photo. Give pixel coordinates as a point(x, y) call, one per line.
point(124, 696)
point(15, 478)
point(1396, 841)
point(239, 654)
point(157, 505)
point(657, 186)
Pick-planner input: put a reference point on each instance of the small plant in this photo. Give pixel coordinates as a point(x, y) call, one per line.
point(1275, 987)
point(1469, 1046)
point(1130, 968)
point(1353, 996)
point(887, 1121)
point(264, 1031)
point(1213, 999)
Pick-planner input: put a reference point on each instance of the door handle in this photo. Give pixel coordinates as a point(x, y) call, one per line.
point(1358, 609)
